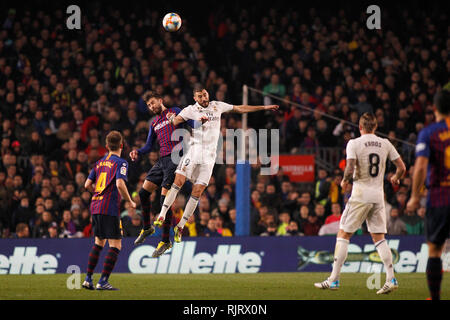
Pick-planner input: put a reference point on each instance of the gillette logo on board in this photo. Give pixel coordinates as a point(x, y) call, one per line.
point(25, 260)
point(183, 259)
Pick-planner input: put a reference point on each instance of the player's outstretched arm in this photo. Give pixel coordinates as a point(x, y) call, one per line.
point(134, 154)
point(122, 187)
point(247, 109)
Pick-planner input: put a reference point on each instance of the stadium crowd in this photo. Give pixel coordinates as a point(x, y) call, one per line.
point(62, 91)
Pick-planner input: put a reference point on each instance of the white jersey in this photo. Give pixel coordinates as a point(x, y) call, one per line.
point(371, 153)
point(204, 139)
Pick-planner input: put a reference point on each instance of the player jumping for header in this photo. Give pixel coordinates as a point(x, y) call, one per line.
point(433, 165)
point(163, 172)
point(109, 175)
point(198, 162)
point(366, 162)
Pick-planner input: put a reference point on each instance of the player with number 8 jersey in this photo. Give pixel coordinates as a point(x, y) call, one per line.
point(366, 164)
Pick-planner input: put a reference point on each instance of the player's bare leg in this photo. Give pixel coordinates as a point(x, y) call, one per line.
point(170, 198)
point(189, 210)
point(340, 255)
point(434, 270)
point(92, 263)
point(144, 194)
point(385, 254)
point(115, 245)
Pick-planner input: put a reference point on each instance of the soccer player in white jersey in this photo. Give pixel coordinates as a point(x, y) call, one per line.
point(366, 162)
point(198, 162)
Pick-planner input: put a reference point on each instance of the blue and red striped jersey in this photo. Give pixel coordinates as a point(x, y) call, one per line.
point(162, 130)
point(434, 143)
point(106, 198)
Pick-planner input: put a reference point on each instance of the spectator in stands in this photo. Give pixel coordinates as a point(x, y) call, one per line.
point(232, 223)
point(22, 214)
point(220, 228)
point(67, 226)
point(335, 214)
point(22, 231)
point(271, 230)
point(414, 221)
point(284, 218)
point(52, 231)
point(395, 225)
point(312, 226)
point(203, 222)
point(301, 216)
point(292, 229)
point(41, 226)
point(210, 230)
point(133, 226)
point(319, 211)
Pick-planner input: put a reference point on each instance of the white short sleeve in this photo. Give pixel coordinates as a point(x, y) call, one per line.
point(351, 152)
point(392, 152)
point(187, 113)
point(224, 107)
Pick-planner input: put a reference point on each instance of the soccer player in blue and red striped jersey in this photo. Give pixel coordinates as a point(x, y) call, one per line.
point(108, 176)
point(433, 167)
point(163, 172)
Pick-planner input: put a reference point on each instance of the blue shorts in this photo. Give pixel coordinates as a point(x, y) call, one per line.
point(106, 227)
point(163, 172)
point(437, 225)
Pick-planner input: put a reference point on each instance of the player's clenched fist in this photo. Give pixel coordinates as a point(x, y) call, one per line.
point(134, 155)
point(170, 115)
point(413, 204)
point(272, 107)
point(133, 204)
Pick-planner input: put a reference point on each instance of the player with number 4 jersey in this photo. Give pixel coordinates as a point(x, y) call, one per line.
point(107, 177)
point(366, 164)
point(106, 171)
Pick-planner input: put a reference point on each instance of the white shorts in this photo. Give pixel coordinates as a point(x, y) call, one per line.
point(197, 173)
point(355, 213)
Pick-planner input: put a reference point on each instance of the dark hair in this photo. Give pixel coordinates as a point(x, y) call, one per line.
point(442, 101)
point(368, 122)
point(21, 227)
point(198, 88)
point(114, 140)
point(150, 94)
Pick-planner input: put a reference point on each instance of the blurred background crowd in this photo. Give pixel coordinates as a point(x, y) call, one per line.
point(62, 91)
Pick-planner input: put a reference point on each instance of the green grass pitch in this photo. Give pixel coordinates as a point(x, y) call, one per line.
point(261, 286)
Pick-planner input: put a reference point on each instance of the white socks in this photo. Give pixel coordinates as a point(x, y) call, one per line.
point(340, 255)
point(386, 256)
point(188, 211)
point(168, 201)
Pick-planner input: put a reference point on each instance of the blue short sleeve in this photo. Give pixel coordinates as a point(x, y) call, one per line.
point(423, 144)
point(92, 175)
point(122, 171)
